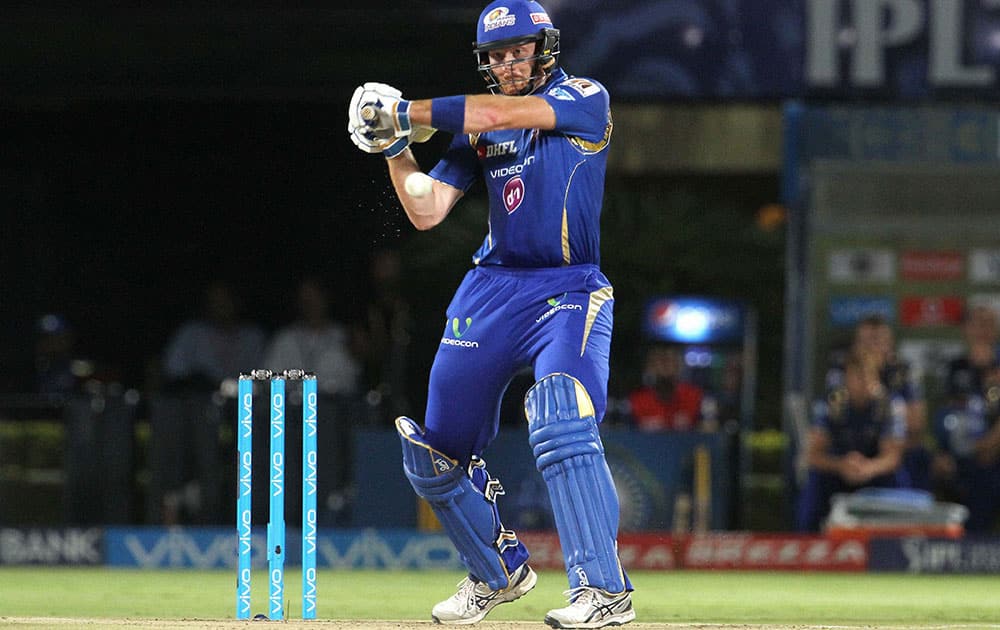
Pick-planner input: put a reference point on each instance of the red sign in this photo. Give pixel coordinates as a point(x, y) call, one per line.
point(771, 552)
point(932, 266)
point(942, 310)
point(636, 551)
point(735, 550)
point(544, 549)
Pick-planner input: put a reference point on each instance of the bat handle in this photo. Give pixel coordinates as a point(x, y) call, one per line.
point(369, 114)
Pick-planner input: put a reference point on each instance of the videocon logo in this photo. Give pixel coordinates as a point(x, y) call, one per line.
point(458, 331)
point(455, 323)
point(556, 305)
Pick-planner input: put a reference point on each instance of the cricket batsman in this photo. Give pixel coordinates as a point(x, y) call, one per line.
point(534, 297)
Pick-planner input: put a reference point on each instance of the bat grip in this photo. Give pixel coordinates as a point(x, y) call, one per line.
point(369, 114)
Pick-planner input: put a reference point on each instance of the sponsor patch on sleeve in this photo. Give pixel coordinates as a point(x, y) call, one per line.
point(561, 94)
point(583, 86)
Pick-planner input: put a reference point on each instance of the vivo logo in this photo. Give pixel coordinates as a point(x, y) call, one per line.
point(246, 474)
point(277, 415)
point(277, 594)
point(367, 549)
point(311, 413)
point(246, 540)
point(246, 420)
point(309, 481)
point(309, 596)
point(309, 536)
point(277, 474)
point(244, 595)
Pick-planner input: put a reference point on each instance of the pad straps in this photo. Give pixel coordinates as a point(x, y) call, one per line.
point(465, 504)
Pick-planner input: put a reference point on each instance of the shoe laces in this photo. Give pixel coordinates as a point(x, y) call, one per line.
point(580, 596)
point(467, 592)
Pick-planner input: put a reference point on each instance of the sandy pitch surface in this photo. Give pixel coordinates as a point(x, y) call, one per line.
point(35, 623)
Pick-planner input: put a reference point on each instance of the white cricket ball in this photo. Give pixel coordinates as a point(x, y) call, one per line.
point(418, 184)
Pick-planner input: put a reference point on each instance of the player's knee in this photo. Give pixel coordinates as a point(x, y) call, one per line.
point(561, 420)
point(432, 473)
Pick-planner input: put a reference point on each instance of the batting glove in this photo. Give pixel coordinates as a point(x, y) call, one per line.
point(382, 108)
point(365, 139)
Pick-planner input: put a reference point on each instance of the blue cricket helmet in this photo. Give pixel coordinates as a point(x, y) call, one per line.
point(505, 23)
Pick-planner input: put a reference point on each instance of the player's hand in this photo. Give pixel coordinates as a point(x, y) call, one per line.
point(851, 468)
point(378, 100)
point(382, 108)
point(365, 139)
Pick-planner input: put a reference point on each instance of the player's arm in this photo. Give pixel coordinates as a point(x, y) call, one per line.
point(891, 443)
point(479, 113)
point(818, 456)
point(890, 456)
point(427, 211)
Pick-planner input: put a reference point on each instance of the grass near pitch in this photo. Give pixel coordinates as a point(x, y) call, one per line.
point(670, 597)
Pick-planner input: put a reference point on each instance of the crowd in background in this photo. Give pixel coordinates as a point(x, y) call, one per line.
point(189, 399)
point(872, 426)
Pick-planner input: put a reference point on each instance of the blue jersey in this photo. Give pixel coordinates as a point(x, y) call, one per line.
point(853, 428)
point(545, 187)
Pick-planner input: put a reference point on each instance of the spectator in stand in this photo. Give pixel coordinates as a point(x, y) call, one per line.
point(966, 465)
point(315, 342)
point(666, 401)
point(54, 356)
point(965, 373)
point(185, 417)
point(875, 343)
point(383, 339)
point(97, 418)
point(856, 441)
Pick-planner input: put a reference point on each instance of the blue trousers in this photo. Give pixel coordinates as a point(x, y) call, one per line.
point(502, 320)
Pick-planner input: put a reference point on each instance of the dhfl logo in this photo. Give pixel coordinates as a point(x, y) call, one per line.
point(496, 149)
point(498, 18)
point(513, 193)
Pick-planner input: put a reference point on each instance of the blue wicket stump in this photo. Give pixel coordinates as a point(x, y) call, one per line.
point(276, 492)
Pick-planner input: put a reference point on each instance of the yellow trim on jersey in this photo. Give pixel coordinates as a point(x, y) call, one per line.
point(565, 236)
point(597, 300)
point(565, 217)
point(588, 147)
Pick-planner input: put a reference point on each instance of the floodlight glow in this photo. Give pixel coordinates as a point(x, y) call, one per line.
point(691, 323)
point(694, 319)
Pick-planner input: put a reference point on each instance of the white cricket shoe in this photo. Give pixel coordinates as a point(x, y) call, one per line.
point(591, 607)
point(474, 599)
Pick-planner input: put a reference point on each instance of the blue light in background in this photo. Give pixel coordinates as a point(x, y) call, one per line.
point(685, 319)
point(691, 323)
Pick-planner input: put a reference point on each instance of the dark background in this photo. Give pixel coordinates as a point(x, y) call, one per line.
point(148, 150)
